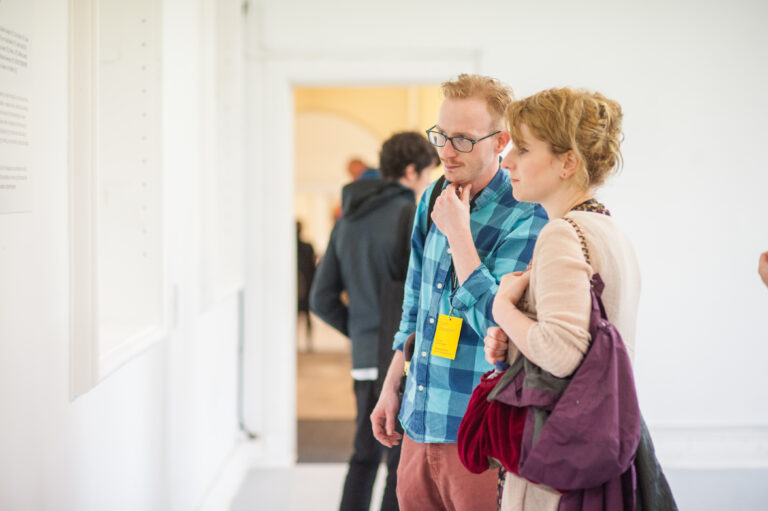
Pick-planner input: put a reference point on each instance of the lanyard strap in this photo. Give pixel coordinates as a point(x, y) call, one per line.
point(452, 269)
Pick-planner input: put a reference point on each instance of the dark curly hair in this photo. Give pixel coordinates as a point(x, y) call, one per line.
point(402, 149)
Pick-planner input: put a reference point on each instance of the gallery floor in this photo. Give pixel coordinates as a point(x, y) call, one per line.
point(325, 413)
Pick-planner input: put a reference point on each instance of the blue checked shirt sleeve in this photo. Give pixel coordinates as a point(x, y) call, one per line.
point(413, 279)
point(474, 298)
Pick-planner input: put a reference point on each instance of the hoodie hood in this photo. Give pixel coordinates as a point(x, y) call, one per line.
point(362, 196)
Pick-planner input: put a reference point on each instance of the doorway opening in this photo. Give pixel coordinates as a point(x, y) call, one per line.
point(334, 127)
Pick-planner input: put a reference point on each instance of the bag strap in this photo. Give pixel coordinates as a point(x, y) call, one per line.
point(596, 282)
point(583, 241)
point(436, 191)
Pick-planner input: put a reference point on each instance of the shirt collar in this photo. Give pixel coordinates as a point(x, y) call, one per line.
point(493, 190)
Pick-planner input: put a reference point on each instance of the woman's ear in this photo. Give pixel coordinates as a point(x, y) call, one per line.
point(570, 162)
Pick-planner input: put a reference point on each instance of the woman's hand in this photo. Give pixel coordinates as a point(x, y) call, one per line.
point(514, 325)
point(451, 211)
point(496, 345)
point(513, 285)
point(511, 289)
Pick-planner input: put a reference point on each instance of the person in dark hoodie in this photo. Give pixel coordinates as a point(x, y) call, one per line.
point(368, 248)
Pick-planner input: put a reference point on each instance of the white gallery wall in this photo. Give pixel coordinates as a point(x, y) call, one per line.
point(154, 433)
point(157, 432)
point(691, 78)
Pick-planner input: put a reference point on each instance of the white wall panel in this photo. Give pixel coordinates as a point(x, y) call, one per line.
point(153, 435)
point(118, 273)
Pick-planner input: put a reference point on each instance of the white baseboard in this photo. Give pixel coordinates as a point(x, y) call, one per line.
point(244, 456)
point(275, 451)
point(711, 447)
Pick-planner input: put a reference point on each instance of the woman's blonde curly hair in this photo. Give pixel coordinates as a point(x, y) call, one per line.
point(567, 119)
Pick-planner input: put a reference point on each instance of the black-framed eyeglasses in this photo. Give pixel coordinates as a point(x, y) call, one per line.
point(461, 144)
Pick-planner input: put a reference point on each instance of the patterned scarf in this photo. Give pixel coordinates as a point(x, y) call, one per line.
point(592, 206)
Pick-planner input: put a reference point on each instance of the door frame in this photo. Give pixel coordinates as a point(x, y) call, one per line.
point(270, 297)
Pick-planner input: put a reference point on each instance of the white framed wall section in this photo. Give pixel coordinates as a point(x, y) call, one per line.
point(270, 298)
point(118, 268)
point(222, 82)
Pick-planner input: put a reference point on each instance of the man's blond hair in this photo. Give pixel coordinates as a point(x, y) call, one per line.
point(496, 95)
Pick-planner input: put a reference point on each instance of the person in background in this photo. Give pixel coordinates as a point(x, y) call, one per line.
point(305, 258)
point(480, 232)
point(566, 143)
point(358, 169)
point(762, 267)
point(368, 249)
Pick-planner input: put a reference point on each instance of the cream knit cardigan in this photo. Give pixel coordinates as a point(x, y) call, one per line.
point(558, 298)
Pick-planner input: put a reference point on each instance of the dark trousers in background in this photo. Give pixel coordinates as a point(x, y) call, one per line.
point(366, 457)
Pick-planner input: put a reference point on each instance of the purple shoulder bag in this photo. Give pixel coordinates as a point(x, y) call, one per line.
point(588, 433)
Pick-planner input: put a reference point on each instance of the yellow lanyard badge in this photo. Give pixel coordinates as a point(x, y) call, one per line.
point(447, 336)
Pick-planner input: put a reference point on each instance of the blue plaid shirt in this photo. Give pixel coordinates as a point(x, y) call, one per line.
point(438, 389)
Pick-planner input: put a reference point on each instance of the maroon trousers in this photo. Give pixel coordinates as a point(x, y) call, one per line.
point(431, 477)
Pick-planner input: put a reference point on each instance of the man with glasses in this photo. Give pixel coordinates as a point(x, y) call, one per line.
point(478, 233)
